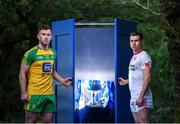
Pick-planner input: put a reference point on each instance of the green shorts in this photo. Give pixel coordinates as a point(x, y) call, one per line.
point(41, 103)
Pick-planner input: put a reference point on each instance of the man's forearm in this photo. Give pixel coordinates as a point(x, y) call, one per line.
point(22, 83)
point(145, 86)
point(58, 77)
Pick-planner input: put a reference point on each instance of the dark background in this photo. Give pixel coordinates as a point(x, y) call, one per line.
point(158, 20)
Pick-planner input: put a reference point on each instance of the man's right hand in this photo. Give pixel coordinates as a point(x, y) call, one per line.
point(122, 82)
point(24, 97)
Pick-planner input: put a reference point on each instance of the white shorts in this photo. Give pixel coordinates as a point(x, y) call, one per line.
point(147, 103)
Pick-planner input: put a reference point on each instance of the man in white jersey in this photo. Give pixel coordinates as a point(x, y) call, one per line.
point(139, 78)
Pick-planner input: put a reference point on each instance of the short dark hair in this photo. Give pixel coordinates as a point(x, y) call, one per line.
point(137, 34)
point(43, 27)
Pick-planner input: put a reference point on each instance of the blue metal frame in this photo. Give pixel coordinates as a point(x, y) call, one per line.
point(73, 78)
point(123, 56)
point(60, 29)
point(115, 52)
point(121, 27)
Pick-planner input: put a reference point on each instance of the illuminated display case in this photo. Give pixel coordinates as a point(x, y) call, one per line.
point(94, 55)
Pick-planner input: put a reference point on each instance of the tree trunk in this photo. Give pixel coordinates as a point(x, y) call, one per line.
point(174, 48)
point(171, 17)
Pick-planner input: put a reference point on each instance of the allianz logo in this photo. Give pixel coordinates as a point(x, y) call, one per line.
point(40, 57)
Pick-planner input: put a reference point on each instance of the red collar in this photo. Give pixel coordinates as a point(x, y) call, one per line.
point(137, 52)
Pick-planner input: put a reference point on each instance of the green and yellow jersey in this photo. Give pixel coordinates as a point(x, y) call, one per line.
point(40, 75)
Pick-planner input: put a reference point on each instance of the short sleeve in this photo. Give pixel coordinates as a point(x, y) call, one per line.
point(146, 61)
point(27, 58)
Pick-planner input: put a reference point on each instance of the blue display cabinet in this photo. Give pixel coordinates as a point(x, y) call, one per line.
point(94, 55)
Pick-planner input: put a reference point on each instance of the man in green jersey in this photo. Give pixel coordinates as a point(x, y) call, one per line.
point(37, 67)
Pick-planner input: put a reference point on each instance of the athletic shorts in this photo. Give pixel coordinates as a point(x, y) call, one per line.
point(147, 103)
point(41, 103)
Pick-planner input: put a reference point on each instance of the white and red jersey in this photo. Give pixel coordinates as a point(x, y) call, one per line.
point(139, 61)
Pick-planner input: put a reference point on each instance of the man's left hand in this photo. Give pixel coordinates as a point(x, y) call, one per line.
point(67, 81)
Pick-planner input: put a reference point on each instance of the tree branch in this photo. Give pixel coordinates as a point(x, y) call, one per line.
point(146, 7)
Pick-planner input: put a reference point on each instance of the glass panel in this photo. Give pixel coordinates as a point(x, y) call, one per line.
point(94, 54)
point(94, 72)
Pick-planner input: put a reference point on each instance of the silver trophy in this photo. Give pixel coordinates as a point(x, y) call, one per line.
point(94, 85)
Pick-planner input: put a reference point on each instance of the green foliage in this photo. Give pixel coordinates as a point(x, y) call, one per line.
point(162, 86)
point(18, 21)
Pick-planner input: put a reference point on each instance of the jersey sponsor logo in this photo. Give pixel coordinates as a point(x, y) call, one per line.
point(47, 67)
point(39, 57)
point(44, 57)
point(132, 67)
